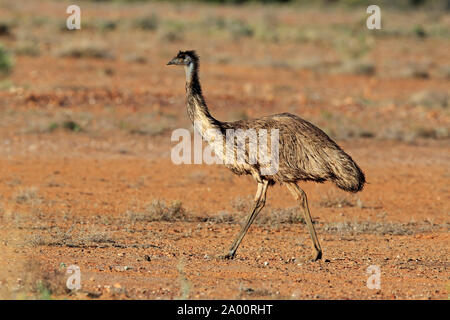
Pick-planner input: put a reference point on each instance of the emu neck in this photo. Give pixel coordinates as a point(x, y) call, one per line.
point(196, 106)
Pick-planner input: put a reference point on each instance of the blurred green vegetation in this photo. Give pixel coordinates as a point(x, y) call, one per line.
point(6, 62)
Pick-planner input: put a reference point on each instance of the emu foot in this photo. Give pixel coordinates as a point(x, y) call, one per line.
point(317, 255)
point(226, 256)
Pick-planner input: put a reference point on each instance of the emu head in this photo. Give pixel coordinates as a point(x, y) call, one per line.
point(188, 59)
point(184, 58)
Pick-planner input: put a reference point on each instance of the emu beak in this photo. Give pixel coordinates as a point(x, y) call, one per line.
point(173, 61)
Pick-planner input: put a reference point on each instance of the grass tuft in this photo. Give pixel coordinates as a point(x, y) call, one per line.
point(158, 210)
point(334, 200)
point(149, 23)
point(27, 196)
point(377, 228)
point(86, 50)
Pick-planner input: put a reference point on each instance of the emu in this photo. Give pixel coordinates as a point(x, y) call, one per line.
point(305, 153)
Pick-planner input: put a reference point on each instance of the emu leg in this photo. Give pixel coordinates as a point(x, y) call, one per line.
point(260, 200)
point(300, 196)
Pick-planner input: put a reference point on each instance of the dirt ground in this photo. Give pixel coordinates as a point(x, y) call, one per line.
point(86, 177)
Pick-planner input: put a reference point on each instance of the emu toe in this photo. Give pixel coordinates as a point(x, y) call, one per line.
point(317, 255)
point(228, 256)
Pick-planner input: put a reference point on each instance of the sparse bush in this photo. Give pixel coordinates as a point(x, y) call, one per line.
point(6, 62)
point(352, 46)
point(86, 50)
point(333, 200)
point(36, 240)
point(53, 126)
point(46, 283)
point(429, 133)
point(136, 58)
point(148, 23)
point(107, 25)
point(416, 71)
point(377, 228)
point(39, 21)
point(224, 217)
point(148, 124)
point(241, 204)
point(214, 22)
point(172, 31)
point(149, 129)
point(27, 49)
point(419, 31)
point(27, 196)
point(70, 238)
point(98, 237)
point(274, 217)
point(357, 67)
point(279, 216)
point(158, 210)
point(429, 98)
point(171, 35)
point(239, 29)
point(257, 292)
point(71, 126)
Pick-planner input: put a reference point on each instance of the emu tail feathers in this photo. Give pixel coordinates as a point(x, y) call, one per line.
point(347, 175)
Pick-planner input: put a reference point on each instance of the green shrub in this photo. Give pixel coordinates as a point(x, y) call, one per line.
point(158, 210)
point(86, 50)
point(71, 126)
point(30, 49)
point(6, 62)
point(148, 23)
point(107, 25)
point(239, 29)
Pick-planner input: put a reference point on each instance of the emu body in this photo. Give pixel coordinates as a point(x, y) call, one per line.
point(305, 152)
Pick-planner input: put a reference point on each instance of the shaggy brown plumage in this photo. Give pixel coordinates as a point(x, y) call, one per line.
point(305, 152)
